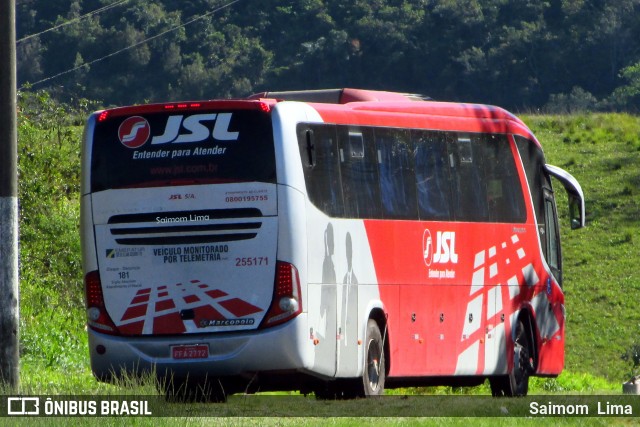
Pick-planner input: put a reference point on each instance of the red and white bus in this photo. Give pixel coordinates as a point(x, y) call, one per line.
point(334, 241)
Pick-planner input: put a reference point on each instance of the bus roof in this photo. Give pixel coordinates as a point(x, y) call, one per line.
point(370, 107)
point(339, 96)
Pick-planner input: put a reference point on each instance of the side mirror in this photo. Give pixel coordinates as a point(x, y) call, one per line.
point(575, 212)
point(576, 196)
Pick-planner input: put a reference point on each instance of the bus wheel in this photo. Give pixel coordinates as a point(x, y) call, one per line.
point(374, 369)
point(516, 383)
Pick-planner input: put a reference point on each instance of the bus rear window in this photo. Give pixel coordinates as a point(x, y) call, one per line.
point(158, 149)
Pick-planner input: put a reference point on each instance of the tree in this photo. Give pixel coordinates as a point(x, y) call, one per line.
point(515, 53)
point(627, 96)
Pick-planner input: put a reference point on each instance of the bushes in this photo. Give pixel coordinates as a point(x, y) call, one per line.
point(52, 308)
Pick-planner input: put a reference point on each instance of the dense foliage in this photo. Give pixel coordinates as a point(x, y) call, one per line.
point(522, 54)
point(51, 298)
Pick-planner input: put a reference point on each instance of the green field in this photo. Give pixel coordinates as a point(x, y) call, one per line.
point(602, 282)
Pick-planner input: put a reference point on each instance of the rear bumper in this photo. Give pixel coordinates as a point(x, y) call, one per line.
point(281, 348)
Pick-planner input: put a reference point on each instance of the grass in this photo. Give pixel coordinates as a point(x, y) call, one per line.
point(602, 282)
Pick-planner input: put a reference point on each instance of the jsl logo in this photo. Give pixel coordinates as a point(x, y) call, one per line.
point(444, 250)
point(196, 131)
point(135, 131)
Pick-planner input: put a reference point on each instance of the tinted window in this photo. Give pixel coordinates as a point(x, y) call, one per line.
point(504, 191)
point(533, 161)
point(367, 172)
point(176, 149)
point(395, 168)
point(319, 153)
point(432, 175)
point(359, 172)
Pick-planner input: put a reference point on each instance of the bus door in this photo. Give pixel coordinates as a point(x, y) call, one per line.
point(550, 236)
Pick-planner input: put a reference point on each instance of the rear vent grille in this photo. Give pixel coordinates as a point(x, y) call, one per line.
point(187, 228)
point(177, 228)
point(167, 216)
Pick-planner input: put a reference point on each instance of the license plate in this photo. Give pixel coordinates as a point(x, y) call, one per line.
point(196, 351)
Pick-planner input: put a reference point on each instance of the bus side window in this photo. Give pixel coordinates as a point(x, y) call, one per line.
point(359, 172)
point(395, 168)
point(504, 191)
point(319, 153)
point(468, 180)
point(433, 186)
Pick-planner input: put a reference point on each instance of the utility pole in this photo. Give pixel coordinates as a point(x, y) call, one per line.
point(9, 290)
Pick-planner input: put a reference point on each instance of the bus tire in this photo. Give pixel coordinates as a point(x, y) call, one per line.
point(374, 372)
point(516, 383)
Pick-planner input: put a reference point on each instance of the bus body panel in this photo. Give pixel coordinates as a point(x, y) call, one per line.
point(548, 309)
point(168, 266)
point(342, 286)
point(431, 269)
point(87, 238)
point(232, 354)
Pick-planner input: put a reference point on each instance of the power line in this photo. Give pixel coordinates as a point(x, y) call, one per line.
point(71, 21)
point(86, 64)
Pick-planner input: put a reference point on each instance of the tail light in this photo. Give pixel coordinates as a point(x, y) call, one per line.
point(264, 107)
point(287, 301)
point(97, 317)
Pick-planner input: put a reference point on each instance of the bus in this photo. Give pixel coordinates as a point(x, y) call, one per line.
point(336, 242)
